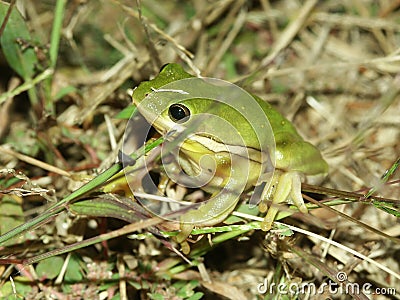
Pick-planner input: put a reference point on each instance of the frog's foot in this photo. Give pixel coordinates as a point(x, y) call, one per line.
point(186, 229)
point(182, 236)
point(288, 187)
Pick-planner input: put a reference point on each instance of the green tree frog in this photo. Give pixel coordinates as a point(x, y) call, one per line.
point(295, 159)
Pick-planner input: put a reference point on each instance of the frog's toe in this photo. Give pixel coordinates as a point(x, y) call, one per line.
point(280, 195)
point(288, 187)
point(182, 236)
point(185, 247)
point(269, 218)
point(295, 193)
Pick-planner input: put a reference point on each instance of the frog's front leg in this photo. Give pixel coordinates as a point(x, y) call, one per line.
point(208, 213)
point(287, 186)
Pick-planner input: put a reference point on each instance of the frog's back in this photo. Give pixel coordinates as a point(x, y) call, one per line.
point(283, 129)
point(292, 153)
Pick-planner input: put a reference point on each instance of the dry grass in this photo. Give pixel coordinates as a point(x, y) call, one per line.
point(331, 67)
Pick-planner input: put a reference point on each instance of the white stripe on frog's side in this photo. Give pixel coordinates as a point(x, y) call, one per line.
point(182, 92)
point(217, 147)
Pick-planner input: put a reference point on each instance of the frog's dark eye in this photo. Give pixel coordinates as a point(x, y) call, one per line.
point(178, 112)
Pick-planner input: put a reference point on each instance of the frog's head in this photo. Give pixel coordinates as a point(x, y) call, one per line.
point(166, 103)
point(168, 73)
point(159, 109)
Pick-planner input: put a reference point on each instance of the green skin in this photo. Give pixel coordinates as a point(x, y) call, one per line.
point(295, 159)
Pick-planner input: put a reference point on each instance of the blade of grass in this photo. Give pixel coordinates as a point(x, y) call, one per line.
point(385, 177)
point(93, 184)
point(103, 237)
point(54, 45)
point(5, 20)
point(347, 196)
point(331, 242)
point(366, 226)
point(34, 161)
point(59, 206)
point(28, 84)
point(56, 31)
point(14, 29)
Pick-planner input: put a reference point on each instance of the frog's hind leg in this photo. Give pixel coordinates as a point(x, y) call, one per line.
point(288, 187)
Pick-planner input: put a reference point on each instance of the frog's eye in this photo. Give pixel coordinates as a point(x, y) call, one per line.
point(178, 112)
